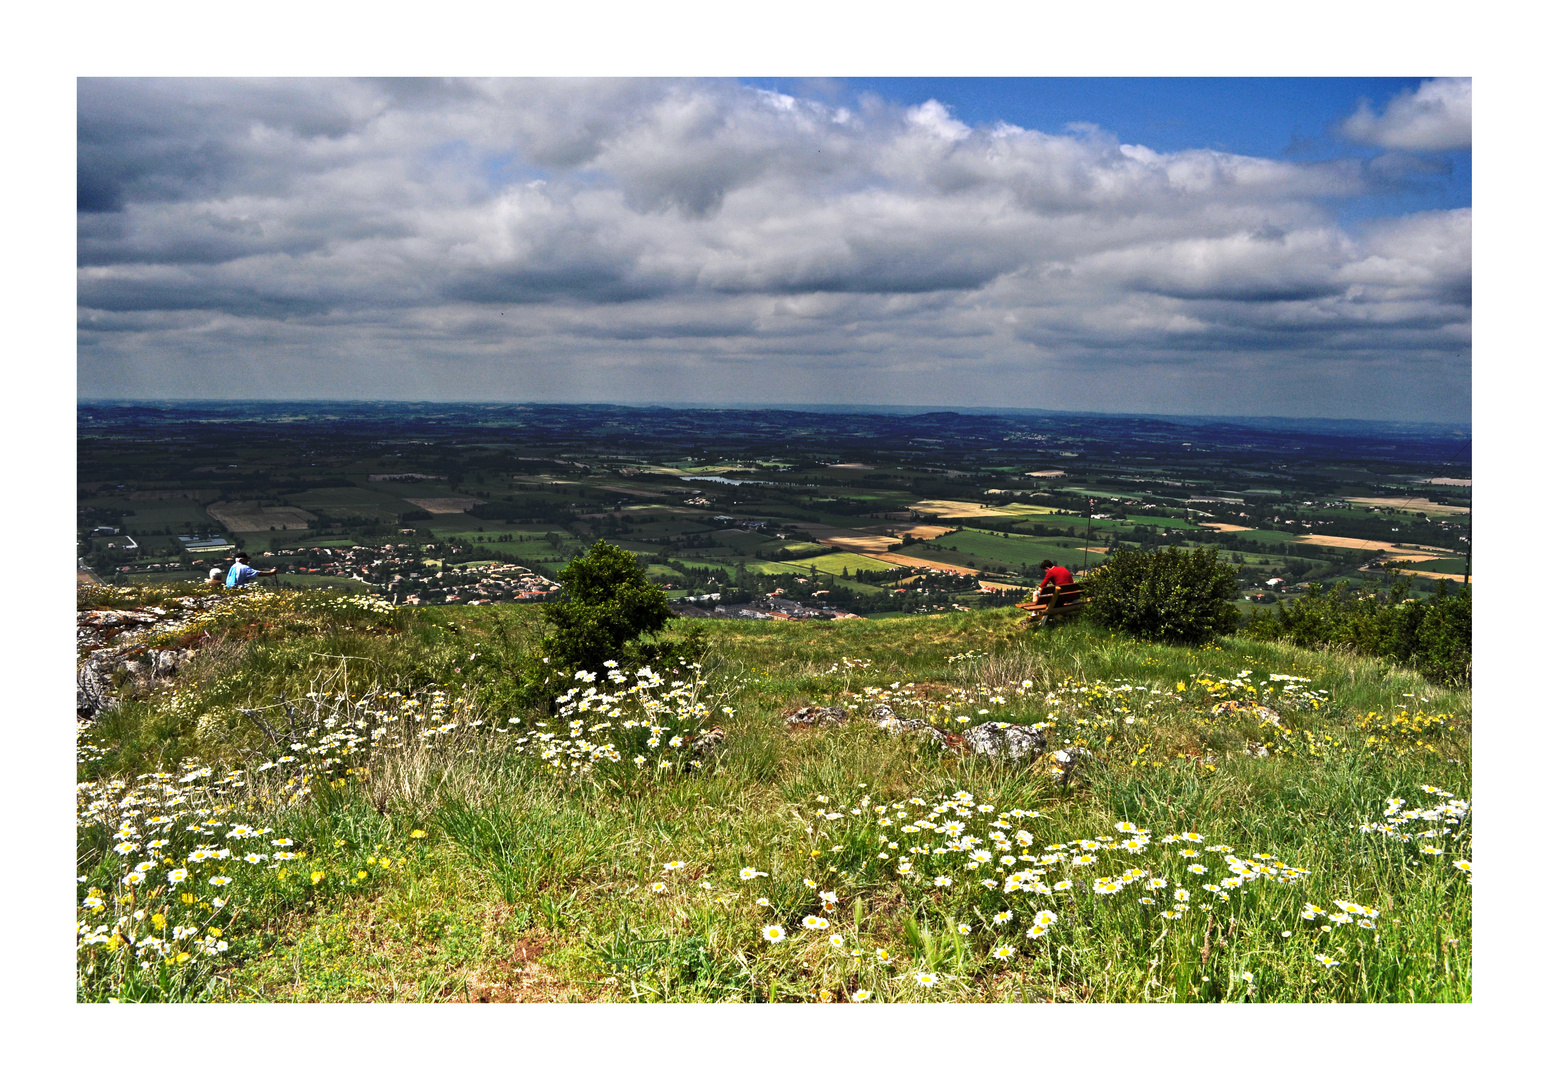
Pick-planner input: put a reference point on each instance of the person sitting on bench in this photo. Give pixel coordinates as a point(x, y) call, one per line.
point(1054, 575)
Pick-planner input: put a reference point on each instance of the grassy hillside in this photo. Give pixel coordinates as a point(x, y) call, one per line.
point(349, 809)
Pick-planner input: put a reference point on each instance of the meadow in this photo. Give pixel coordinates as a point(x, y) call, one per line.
point(336, 800)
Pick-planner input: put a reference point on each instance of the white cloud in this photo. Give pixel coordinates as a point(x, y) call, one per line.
point(1436, 115)
point(620, 239)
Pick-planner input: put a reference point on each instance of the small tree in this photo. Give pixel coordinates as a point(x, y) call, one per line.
point(1183, 597)
point(607, 603)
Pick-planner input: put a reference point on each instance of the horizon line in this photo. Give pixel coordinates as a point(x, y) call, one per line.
point(841, 409)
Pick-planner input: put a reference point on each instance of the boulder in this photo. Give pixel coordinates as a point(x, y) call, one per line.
point(818, 716)
point(1007, 742)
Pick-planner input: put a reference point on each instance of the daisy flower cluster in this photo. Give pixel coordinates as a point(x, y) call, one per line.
point(1274, 690)
point(998, 880)
point(642, 719)
point(1430, 828)
point(172, 865)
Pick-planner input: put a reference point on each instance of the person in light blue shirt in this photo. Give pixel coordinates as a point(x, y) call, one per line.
point(241, 573)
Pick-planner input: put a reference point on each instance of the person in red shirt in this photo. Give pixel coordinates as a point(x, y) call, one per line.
point(1054, 575)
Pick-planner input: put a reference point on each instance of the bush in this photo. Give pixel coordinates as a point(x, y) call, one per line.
point(1182, 597)
point(606, 604)
point(1434, 636)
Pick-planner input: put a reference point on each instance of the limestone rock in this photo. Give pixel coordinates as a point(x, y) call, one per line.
point(1008, 742)
point(818, 716)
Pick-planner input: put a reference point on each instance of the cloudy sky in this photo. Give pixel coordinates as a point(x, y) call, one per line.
point(1294, 247)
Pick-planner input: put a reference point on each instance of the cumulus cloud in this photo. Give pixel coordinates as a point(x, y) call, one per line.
point(651, 240)
point(1436, 115)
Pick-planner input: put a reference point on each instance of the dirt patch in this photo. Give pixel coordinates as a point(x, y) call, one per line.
point(249, 517)
point(520, 976)
point(455, 504)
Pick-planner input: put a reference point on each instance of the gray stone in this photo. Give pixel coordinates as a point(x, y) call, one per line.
point(818, 716)
point(1010, 742)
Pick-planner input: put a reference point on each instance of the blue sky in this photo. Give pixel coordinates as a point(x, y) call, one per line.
point(1202, 246)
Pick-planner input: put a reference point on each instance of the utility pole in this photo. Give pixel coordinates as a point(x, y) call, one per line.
point(1468, 556)
point(1086, 552)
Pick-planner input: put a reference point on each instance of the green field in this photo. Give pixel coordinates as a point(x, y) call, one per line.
point(837, 563)
point(1158, 522)
point(986, 546)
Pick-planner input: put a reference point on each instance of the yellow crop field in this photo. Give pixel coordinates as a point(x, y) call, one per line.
point(953, 508)
point(1411, 505)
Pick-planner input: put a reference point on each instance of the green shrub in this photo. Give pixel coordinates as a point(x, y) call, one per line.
point(1182, 597)
point(607, 603)
point(1433, 636)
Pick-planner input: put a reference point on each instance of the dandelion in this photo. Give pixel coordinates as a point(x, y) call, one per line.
point(317, 876)
point(417, 834)
point(774, 934)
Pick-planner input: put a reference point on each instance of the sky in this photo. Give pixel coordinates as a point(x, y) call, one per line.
point(1290, 247)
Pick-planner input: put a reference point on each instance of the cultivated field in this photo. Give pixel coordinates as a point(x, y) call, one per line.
point(1411, 505)
point(953, 508)
point(445, 505)
point(837, 563)
point(249, 517)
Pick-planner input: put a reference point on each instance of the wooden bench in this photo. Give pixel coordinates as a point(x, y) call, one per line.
point(1055, 603)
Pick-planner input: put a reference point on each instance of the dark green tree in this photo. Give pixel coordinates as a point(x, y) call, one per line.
point(1182, 597)
point(606, 604)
